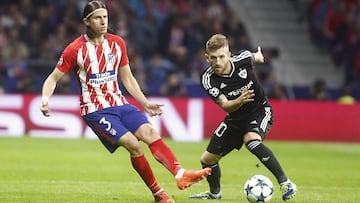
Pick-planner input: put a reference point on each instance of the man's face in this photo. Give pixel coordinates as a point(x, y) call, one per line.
point(98, 22)
point(219, 60)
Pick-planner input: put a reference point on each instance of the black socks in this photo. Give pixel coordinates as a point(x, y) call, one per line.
point(265, 155)
point(214, 178)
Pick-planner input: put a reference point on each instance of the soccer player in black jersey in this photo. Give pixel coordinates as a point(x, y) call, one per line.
point(231, 82)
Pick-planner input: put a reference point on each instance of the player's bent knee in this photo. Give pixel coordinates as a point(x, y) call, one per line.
point(209, 159)
point(147, 134)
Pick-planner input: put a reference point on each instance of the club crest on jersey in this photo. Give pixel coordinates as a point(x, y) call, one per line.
point(111, 58)
point(243, 73)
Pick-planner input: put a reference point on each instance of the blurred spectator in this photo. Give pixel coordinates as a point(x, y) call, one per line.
point(2, 90)
point(15, 54)
point(27, 84)
point(13, 18)
point(173, 38)
point(157, 68)
point(17, 71)
point(236, 32)
point(346, 97)
point(138, 69)
point(3, 76)
point(196, 66)
point(14, 45)
point(33, 39)
point(143, 34)
point(265, 69)
point(318, 91)
point(173, 86)
point(343, 37)
point(64, 85)
point(278, 92)
point(3, 37)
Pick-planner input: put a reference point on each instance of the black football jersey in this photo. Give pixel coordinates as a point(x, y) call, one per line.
point(241, 77)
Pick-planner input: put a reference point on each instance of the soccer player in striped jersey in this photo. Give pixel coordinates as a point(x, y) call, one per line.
point(98, 58)
point(231, 82)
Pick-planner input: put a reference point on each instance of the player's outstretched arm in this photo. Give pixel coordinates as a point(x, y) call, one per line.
point(48, 89)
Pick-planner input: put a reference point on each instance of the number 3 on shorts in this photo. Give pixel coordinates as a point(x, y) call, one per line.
point(105, 122)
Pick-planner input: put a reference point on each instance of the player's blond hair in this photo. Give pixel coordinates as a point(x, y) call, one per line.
point(216, 42)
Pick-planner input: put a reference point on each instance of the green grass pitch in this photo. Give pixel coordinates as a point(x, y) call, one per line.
point(81, 170)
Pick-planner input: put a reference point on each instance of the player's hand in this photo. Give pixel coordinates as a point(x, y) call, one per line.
point(258, 56)
point(154, 109)
point(247, 96)
point(44, 106)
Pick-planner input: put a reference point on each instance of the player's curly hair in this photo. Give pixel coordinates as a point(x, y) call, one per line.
point(88, 11)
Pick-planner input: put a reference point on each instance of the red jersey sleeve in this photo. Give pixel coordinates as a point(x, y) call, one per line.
point(67, 59)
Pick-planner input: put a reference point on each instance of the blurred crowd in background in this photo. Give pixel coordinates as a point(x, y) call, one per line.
point(335, 28)
point(165, 41)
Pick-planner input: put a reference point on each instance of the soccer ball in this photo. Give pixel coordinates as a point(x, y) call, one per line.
point(258, 188)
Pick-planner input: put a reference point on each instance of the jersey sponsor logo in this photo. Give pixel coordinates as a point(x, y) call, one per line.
point(242, 89)
point(222, 85)
point(243, 73)
point(214, 92)
point(101, 78)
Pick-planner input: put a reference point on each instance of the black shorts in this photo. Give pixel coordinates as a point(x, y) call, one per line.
point(230, 133)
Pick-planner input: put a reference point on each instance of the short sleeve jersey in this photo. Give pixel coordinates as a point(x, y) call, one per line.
point(96, 67)
point(233, 84)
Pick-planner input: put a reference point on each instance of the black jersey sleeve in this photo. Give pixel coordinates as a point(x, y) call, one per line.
point(209, 84)
point(244, 58)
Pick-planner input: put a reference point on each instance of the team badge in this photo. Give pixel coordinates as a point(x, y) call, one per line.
point(111, 58)
point(243, 73)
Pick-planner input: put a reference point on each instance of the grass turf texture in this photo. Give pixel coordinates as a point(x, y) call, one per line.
point(81, 170)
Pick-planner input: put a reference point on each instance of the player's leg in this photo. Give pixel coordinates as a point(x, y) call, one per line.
point(265, 155)
point(142, 166)
point(113, 134)
point(210, 160)
point(163, 154)
point(137, 123)
point(221, 143)
point(257, 129)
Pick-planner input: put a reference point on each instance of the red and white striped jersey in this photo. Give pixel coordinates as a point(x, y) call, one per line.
point(97, 68)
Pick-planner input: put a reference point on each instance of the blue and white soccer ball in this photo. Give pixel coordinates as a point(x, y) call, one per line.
point(259, 188)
